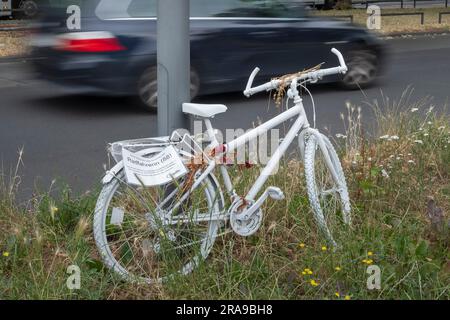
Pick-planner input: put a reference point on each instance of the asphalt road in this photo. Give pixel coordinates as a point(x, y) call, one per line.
point(63, 136)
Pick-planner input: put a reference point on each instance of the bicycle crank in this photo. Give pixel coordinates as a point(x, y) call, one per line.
point(245, 220)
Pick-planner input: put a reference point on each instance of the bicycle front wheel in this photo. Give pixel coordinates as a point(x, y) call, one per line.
point(137, 239)
point(327, 189)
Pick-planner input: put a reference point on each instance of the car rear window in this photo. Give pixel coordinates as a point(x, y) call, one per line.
point(64, 3)
point(246, 8)
point(209, 8)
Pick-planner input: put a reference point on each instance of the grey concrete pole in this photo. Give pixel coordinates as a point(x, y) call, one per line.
point(173, 59)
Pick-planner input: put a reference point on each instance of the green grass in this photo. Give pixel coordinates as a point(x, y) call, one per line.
point(390, 182)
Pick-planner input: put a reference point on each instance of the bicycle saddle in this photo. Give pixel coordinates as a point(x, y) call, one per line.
point(204, 110)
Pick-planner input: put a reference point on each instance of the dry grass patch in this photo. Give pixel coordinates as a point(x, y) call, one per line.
point(13, 43)
point(398, 24)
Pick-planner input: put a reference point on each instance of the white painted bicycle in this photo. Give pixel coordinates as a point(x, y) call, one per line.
point(161, 207)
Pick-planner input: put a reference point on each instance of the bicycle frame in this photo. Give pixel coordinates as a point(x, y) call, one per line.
point(301, 123)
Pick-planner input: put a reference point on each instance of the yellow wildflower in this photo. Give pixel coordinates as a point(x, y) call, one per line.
point(337, 294)
point(370, 253)
point(6, 254)
point(324, 248)
point(301, 245)
point(314, 283)
point(347, 297)
point(308, 271)
point(337, 268)
point(304, 273)
point(53, 210)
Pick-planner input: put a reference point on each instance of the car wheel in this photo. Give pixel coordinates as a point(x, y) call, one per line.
point(362, 69)
point(29, 8)
point(329, 4)
point(148, 88)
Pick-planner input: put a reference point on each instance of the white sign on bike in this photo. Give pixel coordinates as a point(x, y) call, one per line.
point(157, 170)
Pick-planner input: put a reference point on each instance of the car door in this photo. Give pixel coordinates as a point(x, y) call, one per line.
point(233, 39)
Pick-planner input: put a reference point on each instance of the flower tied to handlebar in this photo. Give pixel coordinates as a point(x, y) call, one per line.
point(285, 81)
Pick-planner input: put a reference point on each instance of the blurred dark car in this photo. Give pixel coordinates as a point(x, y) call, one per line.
point(115, 50)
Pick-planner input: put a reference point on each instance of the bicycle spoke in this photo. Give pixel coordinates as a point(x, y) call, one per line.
point(151, 240)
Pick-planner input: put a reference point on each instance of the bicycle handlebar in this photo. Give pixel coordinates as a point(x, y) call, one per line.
point(313, 75)
point(340, 58)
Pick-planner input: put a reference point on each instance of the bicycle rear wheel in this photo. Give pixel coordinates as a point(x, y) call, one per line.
point(327, 189)
point(137, 241)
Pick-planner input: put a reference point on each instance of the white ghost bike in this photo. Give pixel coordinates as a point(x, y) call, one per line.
point(151, 231)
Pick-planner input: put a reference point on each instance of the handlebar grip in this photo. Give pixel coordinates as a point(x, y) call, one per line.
point(273, 84)
point(341, 59)
point(250, 82)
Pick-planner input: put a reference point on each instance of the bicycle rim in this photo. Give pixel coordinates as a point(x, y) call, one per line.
point(327, 195)
point(135, 241)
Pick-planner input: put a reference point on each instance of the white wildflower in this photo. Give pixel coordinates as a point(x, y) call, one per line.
point(395, 137)
point(384, 174)
point(384, 137)
point(342, 136)
point(425, 134)
point(411, 161)
point(441, 128)
point(418, 141)
point(414, 109)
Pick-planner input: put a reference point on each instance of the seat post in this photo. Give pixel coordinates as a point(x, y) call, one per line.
point(211, 133)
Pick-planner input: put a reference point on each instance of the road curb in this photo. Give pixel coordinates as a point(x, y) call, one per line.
point(17, 59)
point(9, 29)
point(413, 34)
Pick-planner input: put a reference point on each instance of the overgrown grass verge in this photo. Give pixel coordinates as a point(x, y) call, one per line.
point(399, 182)
point(398, 24)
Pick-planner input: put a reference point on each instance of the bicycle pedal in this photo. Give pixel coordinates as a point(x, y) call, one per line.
point(275, 193)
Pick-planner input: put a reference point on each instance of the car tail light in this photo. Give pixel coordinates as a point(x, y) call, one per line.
point(97, 41)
